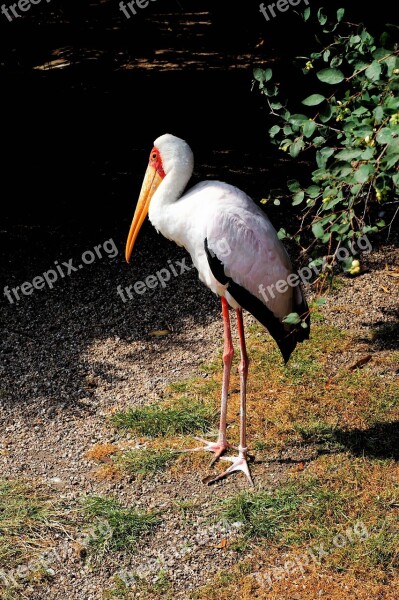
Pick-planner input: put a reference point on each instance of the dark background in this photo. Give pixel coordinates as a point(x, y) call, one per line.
point(85, 91)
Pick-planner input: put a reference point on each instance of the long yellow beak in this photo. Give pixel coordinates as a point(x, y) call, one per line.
point(151, 182)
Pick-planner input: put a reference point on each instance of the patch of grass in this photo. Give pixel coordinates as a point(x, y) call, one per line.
point(115, 527)
point(317, 432)
point(347, 506)
point(263, 514)
point(31, 523)
point(275, 515)
point(383, 547)
point(27, 520)
point(101, 452)
point(120, 590)
point(131, 585)
point(182, 417)
point(146, 462)
point(186, 508)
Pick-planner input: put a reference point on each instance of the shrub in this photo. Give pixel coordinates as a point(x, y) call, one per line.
point(350, 126)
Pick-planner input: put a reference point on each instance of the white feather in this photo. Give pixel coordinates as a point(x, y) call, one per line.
point(238, 232)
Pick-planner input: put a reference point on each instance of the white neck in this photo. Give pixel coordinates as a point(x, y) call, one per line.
point(165, 198)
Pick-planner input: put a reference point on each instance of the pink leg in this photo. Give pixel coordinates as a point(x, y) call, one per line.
point(240, 462)
point(221, 445)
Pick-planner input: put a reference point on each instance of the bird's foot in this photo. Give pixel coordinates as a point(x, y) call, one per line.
point(219, 448)
point(240, 463)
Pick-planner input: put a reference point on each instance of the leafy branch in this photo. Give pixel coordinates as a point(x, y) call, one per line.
point(354, 134)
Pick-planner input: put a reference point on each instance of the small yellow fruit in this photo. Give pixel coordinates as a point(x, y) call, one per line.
point(354, 271)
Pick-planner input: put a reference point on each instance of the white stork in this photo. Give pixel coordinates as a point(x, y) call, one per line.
point(238, 256)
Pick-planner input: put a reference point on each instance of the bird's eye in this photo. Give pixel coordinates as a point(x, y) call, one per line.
point(154, 156)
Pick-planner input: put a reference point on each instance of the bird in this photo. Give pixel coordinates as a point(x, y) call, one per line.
point(237, 254)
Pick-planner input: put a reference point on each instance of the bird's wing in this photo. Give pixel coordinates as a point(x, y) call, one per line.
point(246, 243)
point(244, 253)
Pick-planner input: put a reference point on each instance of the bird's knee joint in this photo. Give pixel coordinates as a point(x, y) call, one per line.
point(228, 356)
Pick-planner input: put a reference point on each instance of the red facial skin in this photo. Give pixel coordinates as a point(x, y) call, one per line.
point(156, 162)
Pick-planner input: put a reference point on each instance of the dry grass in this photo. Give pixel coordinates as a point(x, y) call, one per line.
point(31, 520)
point(349, 420)
point(101, 452)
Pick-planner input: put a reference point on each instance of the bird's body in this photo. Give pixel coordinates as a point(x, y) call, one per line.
point(232, 244)
point(237, 232)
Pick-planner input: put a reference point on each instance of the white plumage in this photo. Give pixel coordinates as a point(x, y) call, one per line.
point(237, 230)
point(237, 253)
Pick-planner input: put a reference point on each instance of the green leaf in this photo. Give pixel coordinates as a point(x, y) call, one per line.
point(319, 141)
point(313, 191)
point(373, 72)
point(293, 186)
point(318, 230)
point(320, 301)
point(274, 131)
point(320, 175)
point(323, 155)
point(321, 16)
point(392, 160)
point(378, 113)
point(336, 62)
point(384, 136)
point(360, 111)
point(355, 189)
point(340, 14)
point(313, 100)
point(263, 75)
point(325, 113)
point(331, 76)
point(392, 102)
point(296, 148)
point(363, 173)
point(391, 63)
point(270, 91)
point(292, 319)
point(309, 128)
point(367, 154)
point(329, 205)
point(348, 154)
point(360, 132)
point(306, 13)
point(298, 119)
point(341, 169)
point(298, 198)
point(354, 40)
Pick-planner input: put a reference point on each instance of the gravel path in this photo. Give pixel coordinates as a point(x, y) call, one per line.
point(73, 354)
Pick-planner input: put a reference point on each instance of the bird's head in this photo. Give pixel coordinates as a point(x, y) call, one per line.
point(168, 153)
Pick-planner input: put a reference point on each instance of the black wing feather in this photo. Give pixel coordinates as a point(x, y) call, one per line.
point(285, 336)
